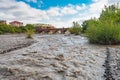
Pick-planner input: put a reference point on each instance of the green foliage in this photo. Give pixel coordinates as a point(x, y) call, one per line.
point(11, 29)
point(86, 24)
point(29, 33)
point(111, 13)
point(30, 27)
point(30, 30)
point(105, 30)
point(75, 29)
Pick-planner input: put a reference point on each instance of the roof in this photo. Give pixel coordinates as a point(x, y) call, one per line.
point(16, 22)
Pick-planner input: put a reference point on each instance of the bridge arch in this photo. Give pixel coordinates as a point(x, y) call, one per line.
point(52, 31)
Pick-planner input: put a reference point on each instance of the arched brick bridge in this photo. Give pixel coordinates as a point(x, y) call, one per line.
point(52, 31)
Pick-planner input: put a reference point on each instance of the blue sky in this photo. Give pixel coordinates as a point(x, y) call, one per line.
point(46, 4)
point(59, 13)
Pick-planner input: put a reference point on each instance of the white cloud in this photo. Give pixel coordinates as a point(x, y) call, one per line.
point(114, 1)
point(34, 1)
point(54, 12)
point(58, 16)
point(98, 5)
point(81, 7)
point(68, 10)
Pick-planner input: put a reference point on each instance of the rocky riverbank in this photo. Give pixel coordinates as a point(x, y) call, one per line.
point(113, 66)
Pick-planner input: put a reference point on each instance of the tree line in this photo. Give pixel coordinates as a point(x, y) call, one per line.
point(4, 28)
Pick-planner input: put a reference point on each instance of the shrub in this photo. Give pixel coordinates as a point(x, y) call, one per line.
point(30, 30)
point(1, 32)
point(75, 29)
point(105, 30)
point(86, 24)
point(104, 33)
point(29, 33)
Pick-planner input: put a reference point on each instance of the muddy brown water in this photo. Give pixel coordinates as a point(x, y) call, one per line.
point(55, 57)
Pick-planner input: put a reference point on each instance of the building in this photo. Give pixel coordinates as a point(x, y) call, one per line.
point(16, 23)
point(3, 22)
point(44, 26)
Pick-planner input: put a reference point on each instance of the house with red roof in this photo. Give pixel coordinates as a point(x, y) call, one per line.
point(16, 23)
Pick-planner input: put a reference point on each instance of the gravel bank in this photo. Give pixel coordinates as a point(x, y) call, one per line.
point(54, 57)
point(114, 62)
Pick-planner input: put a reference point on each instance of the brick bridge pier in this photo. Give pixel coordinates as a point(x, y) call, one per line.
point(52, 31)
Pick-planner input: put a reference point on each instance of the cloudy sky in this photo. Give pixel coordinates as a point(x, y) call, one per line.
point(60, 13)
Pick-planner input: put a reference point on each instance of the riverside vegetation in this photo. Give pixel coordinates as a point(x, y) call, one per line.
point(104, 30)
point(75, 29)
point(28, 29)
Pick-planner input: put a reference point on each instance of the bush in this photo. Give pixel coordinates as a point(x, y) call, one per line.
point(1, 32)
point(29, 33)
point(30, 30)
point(86, 24)
point(75, 29)
point(105, 30)
point(104, 33)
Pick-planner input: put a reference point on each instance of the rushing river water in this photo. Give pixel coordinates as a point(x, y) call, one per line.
point(55, 57)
